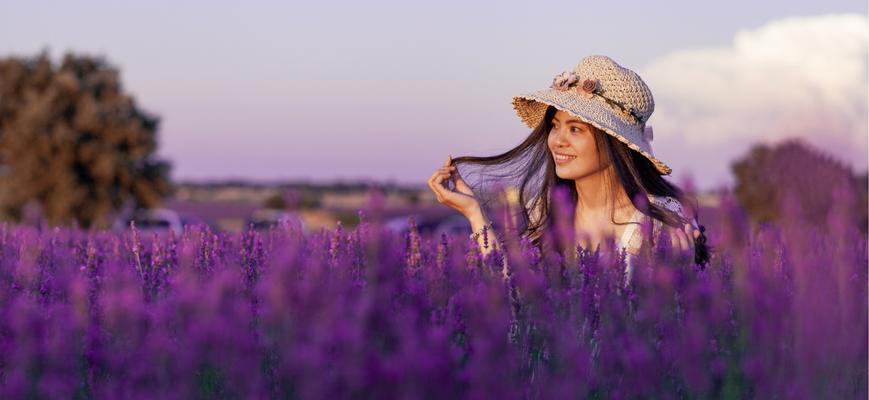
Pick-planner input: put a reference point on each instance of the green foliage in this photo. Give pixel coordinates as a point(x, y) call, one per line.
point(72, 141)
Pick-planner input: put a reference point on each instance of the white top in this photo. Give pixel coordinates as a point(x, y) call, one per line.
point(632, 238)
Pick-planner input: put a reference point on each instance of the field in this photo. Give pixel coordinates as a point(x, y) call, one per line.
point(779, 312)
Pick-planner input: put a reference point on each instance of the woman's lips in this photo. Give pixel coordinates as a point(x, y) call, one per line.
point(562, 159)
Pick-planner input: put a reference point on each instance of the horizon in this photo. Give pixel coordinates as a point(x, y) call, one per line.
point(342, 92)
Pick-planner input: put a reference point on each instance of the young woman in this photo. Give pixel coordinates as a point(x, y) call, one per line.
point(590, 140)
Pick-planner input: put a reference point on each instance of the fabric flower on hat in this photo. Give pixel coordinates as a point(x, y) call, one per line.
point(589, 87)
point(564, 80)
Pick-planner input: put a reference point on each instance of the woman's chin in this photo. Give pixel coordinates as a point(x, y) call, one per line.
point(564, 173)
point(571, 173)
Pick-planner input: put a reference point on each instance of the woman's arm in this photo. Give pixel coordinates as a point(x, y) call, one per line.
point(463, 200)
point(480, 223)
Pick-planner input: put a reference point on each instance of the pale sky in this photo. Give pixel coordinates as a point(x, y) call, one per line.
point(385, 90)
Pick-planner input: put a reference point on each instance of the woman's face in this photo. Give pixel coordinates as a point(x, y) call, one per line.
point(571, 137)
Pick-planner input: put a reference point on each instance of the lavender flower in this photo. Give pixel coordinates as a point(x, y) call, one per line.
point(363, 312)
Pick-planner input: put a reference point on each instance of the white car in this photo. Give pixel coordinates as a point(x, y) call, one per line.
point(430, 224)
point(153, 220)
point(268, 217)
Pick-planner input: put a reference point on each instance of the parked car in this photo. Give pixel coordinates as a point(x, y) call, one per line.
point(265, 218)
point(453, 225)
point(430, 224)
point(152, 220)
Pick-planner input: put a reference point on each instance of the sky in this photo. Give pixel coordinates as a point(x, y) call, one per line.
point(385, 90)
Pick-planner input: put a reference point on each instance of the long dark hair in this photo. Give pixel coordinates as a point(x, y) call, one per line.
point(532, 171)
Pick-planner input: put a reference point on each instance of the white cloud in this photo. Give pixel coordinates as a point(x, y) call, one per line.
point(796, 77)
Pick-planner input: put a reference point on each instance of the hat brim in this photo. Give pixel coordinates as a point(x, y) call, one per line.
point(531, 108)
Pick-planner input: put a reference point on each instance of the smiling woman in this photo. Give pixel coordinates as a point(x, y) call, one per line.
point(589, 139)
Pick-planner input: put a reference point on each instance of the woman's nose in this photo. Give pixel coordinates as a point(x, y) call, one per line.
point(559, 138)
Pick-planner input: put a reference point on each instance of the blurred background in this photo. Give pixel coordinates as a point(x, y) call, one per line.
point(236, 114)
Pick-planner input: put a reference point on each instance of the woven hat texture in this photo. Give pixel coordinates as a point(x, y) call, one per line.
point(604, 94)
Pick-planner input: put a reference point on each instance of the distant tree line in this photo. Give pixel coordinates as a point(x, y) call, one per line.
point(72, 141)
point(769, 174)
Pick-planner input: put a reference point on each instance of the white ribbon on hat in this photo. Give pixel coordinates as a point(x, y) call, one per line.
point(648, 134)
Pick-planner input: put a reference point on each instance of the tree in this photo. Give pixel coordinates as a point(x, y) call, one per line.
point(275, 201)
point(74, 142)
point(767, 175)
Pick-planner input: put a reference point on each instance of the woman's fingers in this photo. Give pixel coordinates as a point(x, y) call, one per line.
point(672, 235)
point(436, 185)
point(461, 197)
point(452, 173)
point(461, 186)
point(431, 184)
point(693, 229)
point(439, 181)
point(678, 239)
point(683, 238)
point(691, 233)
point(675, 242)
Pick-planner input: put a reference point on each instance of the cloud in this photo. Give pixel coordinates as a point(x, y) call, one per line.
point(795, 77)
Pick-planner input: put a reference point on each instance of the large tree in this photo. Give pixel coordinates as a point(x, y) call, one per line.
point(768, 174)
point(74, 142)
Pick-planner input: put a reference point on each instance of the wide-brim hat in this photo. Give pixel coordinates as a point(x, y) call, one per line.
point(604, 94)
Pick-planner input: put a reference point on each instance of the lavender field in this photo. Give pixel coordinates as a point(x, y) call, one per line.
point(779, 312)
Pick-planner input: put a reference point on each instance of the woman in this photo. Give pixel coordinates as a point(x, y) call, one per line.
point(589, 139)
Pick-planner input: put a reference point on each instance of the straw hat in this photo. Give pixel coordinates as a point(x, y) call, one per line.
point(604, 94)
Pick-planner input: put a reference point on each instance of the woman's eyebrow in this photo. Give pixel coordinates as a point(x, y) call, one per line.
point(575, 121)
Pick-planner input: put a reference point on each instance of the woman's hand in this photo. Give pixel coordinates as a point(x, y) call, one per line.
point(683, 239)
point(461, 199)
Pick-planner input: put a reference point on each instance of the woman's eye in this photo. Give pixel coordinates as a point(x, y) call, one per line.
point(574, 129)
